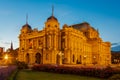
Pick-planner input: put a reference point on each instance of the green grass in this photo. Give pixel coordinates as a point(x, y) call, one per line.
point(35, 75)
point(12, 75)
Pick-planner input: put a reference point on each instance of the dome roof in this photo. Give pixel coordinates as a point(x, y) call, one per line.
point(52, 18)
point(26, 26)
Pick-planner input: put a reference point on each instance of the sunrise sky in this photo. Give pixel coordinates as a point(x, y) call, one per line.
point(100, 14)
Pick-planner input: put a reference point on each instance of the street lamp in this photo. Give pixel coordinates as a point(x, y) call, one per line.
point(6, 57)
point(94, 58)
point(85, 59)
point(60, 53)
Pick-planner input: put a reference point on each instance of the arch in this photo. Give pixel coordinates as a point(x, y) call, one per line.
point(79, 60)
point(27, 58)
point(38, 58)
point(57, 59)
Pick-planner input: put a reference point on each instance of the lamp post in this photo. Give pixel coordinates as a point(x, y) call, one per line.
point(84, 59)
point(94, 58)
point(6, 58)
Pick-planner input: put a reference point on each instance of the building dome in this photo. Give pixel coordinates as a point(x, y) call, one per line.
point(26, 26)
point(52, 18)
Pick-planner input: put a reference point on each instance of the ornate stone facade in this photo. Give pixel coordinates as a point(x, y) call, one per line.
point(75, 44)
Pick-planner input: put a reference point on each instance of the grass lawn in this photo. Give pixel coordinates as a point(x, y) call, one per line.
point(35, 75)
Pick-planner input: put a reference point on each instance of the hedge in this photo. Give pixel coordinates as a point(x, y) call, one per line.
point(82, 71)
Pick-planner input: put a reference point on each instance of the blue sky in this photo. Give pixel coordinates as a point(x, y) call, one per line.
point(101, 14)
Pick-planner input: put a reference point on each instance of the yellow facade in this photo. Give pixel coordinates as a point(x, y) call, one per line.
point(75, 44)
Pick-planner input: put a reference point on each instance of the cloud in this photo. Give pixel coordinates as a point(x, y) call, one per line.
point(115, 44)
point(6, 43)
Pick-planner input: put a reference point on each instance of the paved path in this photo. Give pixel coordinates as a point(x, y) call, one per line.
point(5, 71)
point(3, 67)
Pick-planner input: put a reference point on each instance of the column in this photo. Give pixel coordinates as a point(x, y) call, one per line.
point(54, 41)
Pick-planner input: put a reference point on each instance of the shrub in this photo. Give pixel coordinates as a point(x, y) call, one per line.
point(94, 72)
point(21, 65)
point(115, 77)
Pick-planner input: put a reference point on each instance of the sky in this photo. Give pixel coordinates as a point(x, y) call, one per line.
point(100, 14)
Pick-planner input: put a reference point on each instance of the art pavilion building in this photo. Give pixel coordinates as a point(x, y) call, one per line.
point(74, 44)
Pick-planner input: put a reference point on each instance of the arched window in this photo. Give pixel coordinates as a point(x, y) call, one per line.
point(48, 25)
point(38, 58)
point(30, 44)
point(57, 59)
point(63, 43)
point(27, 58)
point(55, 25)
